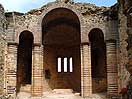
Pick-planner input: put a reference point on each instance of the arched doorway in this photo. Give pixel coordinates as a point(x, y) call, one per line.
point(98, 61)
point(61, 40)
point(24, 61)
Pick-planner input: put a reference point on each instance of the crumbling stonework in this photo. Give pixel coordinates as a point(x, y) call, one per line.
point(2, 48)
point(123, 55)
point(98, 39)
point(125, 26)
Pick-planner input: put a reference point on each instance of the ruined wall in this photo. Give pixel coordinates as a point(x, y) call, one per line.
point(11, 25)
point(125, 42)
point(102, 18)
point(93, 16)
point(2, 48)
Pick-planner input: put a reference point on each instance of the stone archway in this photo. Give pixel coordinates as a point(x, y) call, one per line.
point(61, 40)
point(24, 61)
point(98, 61)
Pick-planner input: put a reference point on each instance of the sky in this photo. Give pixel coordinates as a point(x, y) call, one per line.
point(26, 5)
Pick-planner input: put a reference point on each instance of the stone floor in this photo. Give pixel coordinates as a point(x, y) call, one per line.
point(60, 94)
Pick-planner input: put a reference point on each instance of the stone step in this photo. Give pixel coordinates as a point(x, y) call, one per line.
point(51, 95)
point(62, 91)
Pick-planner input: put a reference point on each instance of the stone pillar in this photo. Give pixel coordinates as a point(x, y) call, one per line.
point(11, 69)
point(86, 78)
point(112, 72)
point(37, 88)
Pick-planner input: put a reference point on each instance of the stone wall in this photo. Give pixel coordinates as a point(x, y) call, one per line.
point(90, 17)
point(125, 42)
point(2, 48)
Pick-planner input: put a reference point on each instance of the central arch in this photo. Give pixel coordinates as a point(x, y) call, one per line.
point(61, 40)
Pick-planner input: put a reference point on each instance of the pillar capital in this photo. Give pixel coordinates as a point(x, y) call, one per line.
point(110, 41)
point(85, 43)
point(13, 43)
point(37, 44)
point(37, 49)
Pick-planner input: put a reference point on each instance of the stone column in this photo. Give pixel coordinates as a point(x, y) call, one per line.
point(37, 88)
point(12, 69)
point(86, 78)
point(112, 73)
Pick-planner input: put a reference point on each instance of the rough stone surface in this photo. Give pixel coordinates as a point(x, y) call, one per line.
point(123, 53)
point(63, 28)
point(2, 48)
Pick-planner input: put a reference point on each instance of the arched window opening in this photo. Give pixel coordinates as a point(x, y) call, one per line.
point(59, 64)
point(71, 64)
point(65, 64)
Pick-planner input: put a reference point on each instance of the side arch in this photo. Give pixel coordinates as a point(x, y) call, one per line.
point(100, 28)
point(98, 60)
point(24, 60)
point(17, 35)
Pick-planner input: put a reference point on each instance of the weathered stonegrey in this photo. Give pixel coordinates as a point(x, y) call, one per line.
point(2, 48)
point(97, 38)
point(125, 63)
point(86, 81)
point(123, 53)
point(112, 73)
point(37, 72)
